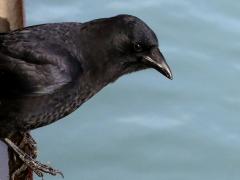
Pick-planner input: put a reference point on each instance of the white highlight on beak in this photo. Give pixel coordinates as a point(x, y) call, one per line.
point(152, 61)
point(162, 67)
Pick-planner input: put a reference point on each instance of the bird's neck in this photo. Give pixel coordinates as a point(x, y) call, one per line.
point(100, 77)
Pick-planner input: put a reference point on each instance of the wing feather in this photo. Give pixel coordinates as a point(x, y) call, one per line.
point(31, 63)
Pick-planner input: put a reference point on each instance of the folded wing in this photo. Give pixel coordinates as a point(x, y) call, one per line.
point(31, 63)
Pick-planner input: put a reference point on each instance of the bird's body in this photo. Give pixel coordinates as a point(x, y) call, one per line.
point(47, 71)
point(39, 99)
point(55, 78)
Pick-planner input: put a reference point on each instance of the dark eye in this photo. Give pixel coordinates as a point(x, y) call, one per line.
point(138, 47)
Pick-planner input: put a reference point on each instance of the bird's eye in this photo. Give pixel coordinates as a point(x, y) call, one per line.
point(138, 47)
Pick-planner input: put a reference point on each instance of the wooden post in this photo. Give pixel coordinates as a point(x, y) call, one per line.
point(11, 18)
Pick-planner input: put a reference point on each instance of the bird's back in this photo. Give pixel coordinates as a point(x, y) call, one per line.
point(39, 67)
point(38, 59)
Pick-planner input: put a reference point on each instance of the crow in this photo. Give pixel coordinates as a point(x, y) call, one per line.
point(47, 71)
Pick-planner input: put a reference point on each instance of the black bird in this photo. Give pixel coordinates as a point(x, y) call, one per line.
point(47, 71)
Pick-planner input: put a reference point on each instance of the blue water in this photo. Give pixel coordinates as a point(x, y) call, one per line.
point(145, 127)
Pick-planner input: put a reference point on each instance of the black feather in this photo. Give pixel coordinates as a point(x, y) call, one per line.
point(47, 71)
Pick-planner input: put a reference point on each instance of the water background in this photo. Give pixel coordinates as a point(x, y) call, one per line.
point(145, 127)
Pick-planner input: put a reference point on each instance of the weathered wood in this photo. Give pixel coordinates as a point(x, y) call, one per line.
point(11, 18)
point(12, 14)
point(15, 164)
point(4, 25)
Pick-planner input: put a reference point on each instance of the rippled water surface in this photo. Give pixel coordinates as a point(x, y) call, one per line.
point(145, 127)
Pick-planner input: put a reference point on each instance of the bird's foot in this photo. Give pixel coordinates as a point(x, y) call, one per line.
point(27, 139)
point(36, 166)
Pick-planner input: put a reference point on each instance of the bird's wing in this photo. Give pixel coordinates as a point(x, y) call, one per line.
point(30, 66)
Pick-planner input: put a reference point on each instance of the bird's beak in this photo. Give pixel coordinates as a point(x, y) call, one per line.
point(158, 62)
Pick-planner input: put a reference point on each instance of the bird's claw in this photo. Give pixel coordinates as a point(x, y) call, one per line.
point(40, 168)
point(36, 166)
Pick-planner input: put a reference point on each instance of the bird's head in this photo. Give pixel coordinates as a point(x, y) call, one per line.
point(130, 45)
point(137, 46)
